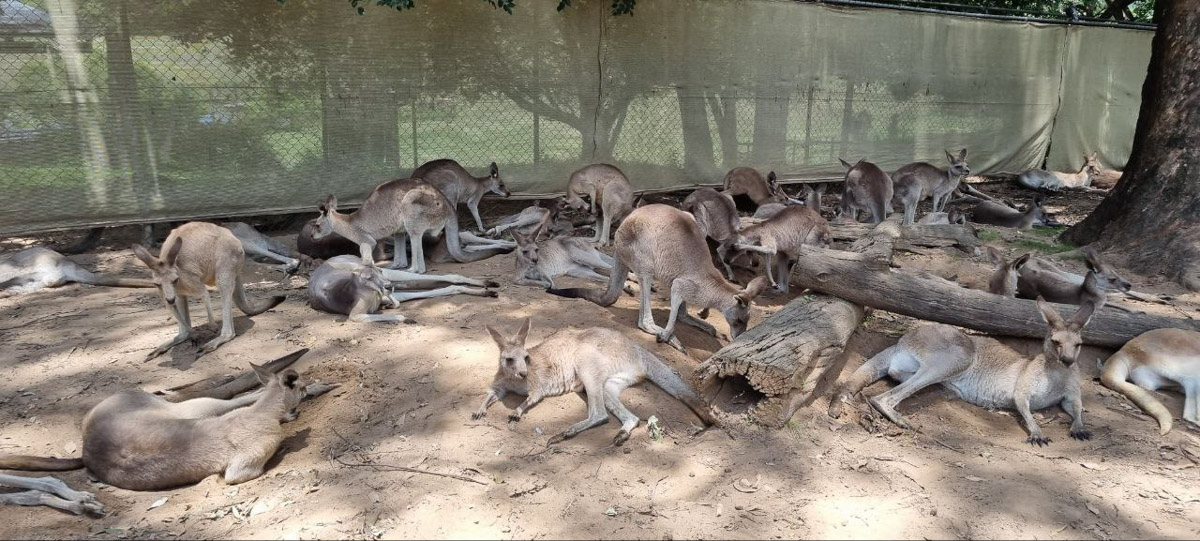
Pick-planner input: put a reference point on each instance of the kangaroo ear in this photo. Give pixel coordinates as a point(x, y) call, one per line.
point(494, 171)
point(771, 177)
point(524, 332)
point(949, 156)
point(264, 375)
point(173, 252)
point(846, 164)
point(1091, 259)
point(1083, 316)
point(1021, 261)
point(962, 154)
point(496, 336)
point(145, 256)
point(1050, 315)
point(330, 204)
point(289, 378)
point(753, 290)
point(517, 236)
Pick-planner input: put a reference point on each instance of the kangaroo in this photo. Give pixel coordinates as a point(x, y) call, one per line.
point(141, 441)
point(35, 268)
point(981, 371)
point(779, 239)
point(1040, 277)
point(596, 363)
point(1106, 179)
point(716, 214)
point(531, 219)
point(329, 246)
point(459, 186)
point(403, 208)
point(992, 213)
point(538, 263)
point(918, 181)
point(1004, 273)
point(659, 241)
point(1038, 179)
point(194, 256)
point(606, 187)
point(768, 211)
point(257, 244)
point(1158, 359)
point(749, 182)
point(812, 195)
point(343, 285)
point(954, 217)
point(867, 188)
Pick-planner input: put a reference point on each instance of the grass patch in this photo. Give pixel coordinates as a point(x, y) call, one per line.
point(1050, 232)
point(987, 235)
point(1041, 247)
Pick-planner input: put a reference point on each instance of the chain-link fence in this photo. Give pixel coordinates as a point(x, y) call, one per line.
point(119, 111)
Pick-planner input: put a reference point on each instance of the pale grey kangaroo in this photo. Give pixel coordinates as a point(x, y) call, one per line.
point(596, 363)
point(917, 181)
point(459, 186)
point(258, 244)
point(538, 263)
point(992, 213)
point(343, 285)
point(981, 371)
point(1040, 179)
point(717, 216)
point(607, 189)
point(35, 268)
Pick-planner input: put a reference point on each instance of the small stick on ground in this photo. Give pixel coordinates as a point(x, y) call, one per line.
point(392, 467)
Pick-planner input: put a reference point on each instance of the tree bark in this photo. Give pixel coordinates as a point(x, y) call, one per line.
point(1153, 214)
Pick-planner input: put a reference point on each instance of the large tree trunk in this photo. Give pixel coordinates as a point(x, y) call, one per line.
point(130, 147)
point(697, 139)
point(1152, 215)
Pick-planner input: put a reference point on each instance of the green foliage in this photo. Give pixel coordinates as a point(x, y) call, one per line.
point(1141, 10)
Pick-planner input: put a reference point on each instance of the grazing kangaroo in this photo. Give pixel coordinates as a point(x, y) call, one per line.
point(954, 217)
point(257, 244)
point(1040, 278)
point(607, 188)
point(659, 241)
point(1158, 359)
point(749, 182)
point(343, 285)
point(981, 371)
point(194, 256)
point(917, 181)
point(992, 213)
point(35, 268)
point(717, 216)
point(540, 262)
point(1004, 273)
point(867, 188)
point(1038, 179)
point(596, 363)
point(459, 186)
point(779, 239)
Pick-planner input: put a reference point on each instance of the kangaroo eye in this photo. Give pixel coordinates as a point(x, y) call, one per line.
point(526, 359)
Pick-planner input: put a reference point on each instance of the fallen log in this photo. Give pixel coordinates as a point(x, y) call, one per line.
point(962, 237)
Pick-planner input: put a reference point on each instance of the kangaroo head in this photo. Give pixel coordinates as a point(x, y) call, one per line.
point(287, 384)
point(1090, 164)
point(1063, 341)
point(163, 271)
point(773, 187)
point(738, 315)
point(527, 250)
point(494, 184)
point(1106, 277)
point(958, 164)
point(514, 359)
point(956, 218)
point(570, 201)
point(324, 224)
point(1004, 273)
point(1040, 216)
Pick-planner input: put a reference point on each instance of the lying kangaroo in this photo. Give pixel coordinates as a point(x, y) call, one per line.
point(607, 188)
point(1158, 359)
point(954, 217)
point(459, 186)
point(35, 268)
point(140, 441)
point(659, 241)
point(716, 214)
point(917, 181)
point(540, 262)
point(779, 239)
point(749, 182)
point(1041, 278)
point(257, 244)
point(993, 213)
point(531, 219)
point(867, 188)
point(343, 285)
point(1106, 179)
point(981, 371)
point(196, 255)
point(1004, 273)
point(1038, 179)
point(596, 363)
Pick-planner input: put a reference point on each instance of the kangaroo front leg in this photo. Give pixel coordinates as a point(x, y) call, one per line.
point(705, 326)
point(1073, 404)
point(199, 408)
point(530, 401)
point(473, 206)
point(493, 395)
point(183, 317)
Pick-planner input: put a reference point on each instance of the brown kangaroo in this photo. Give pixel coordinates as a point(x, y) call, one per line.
point(917, 181)
point(1040, 277)
point(1004, 273)
point(459, 186)
point(867, 188)
point(780, 237)
point(749, 182)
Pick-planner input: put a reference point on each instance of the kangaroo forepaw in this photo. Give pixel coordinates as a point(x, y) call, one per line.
point(1082, 434)
point(514, 417)
point(621, 437)
point(490, 293)
point(1038, 440)
point(477, 415)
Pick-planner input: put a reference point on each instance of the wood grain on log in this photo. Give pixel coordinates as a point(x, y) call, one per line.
point(962, 237)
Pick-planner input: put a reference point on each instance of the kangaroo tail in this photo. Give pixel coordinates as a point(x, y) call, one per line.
point(112, 281)
point(668, 380)
point(243, 304)
point(453, 243)
point(39, 463)
point(606, 297)
point(1116, 370)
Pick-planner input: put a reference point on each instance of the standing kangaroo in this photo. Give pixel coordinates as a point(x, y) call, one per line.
point(717, 216)
point(194, 256)
point(1040, 278)
point(596, 363)
point(981, 371)
point(1038, 179)
point(343, 285)
point(993, 213)
point(459, 186)
point(917, 181)
point(780, 237)
point(607, 188)
point(659, 241)
point(35, 268)
point(1158, 359)
point(867, 188)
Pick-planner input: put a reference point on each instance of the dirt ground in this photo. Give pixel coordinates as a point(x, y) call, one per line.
point(408, 391)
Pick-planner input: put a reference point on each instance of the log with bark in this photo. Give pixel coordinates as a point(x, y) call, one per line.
point(962, 237)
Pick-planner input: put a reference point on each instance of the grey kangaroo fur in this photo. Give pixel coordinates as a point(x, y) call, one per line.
point(780, 237)
point(1040, 277)
point(35, 268)
point(981, 371)
point(1004, 273)
point(257, 244)
point(663, 242)
point(993, 213)
point(538, 263)
point(343, 285)
point(717, 216)
point(194, 256)
point(608, 189)
point(954, 217)
point(918, 181)
point(459, 186)
point(867, 187)
point(595, 363)
point(749, 182)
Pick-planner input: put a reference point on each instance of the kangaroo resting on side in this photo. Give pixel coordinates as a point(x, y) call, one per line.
point(459, 186)
point(981, 371)
point(992, 213)
point(1158, 359)
point(717, 216)
point(954, 217)
point(1038, 179)
point(1040, 277)
point(607, 188)
point(539, 263)
point(917, 181)
point(749, 182)
point(343, 285)
point(194, 256)
point(258, 244)
point(36, 268)
point(659, 241)
point(867, 188)
point(596, 363)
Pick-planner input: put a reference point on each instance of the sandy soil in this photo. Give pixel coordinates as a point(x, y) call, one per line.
point(408, 391)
